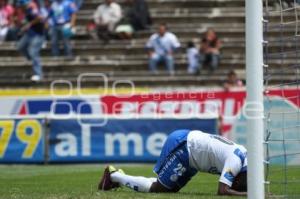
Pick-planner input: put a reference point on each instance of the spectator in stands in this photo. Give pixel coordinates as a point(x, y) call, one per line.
point(63, 17)
point(15, 28)
point(124, 29)
point(161, 47)
point(283, 4)
point(139, 15)
point(45, 10)
point(135, 17)
point(32, 36)
point(210, 50)
point(6, 19)
point(192, 58)
point(106, 17)
point(232, 81)
point(40, 3)
point(78, 3)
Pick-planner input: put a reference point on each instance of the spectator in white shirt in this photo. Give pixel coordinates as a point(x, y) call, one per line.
point(106, 18)
point(161, 47)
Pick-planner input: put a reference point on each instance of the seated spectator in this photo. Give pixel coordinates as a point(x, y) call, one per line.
point(124, 29)
point(232, 81)
point(139, 15)
point(210, 50)
point(63, 16)
point(135, 17)
point(192, 58)
point(32, 36)
point(161, 47)
point(15, 28)
point(106, 17)
point(6, 19)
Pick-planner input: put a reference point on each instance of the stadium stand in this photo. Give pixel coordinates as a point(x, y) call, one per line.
point(127, 60)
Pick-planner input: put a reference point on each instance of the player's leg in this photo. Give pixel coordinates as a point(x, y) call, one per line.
point(157, 187)
point(113, 178)
point(172, 168)
point(175, 171)
point(137, 183)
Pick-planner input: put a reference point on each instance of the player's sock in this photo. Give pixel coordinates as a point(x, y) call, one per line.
point(136, 183)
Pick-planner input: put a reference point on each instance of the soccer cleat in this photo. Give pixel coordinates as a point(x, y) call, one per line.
point(106, 183)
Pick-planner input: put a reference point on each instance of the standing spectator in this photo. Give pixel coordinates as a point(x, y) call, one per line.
point(161, 47)
point(232, 81)
point(210, 50)
point(135, 17)
point(78, 3)
point(106, 18)
point(32, 36)
point(6, 19)
point(63, 17)
point(45, 10)
point(192, 58)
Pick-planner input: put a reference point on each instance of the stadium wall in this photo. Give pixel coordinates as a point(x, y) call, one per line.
point(140, 111)
point(64, 140)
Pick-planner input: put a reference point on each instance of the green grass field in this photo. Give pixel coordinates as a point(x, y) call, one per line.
point(80, 181)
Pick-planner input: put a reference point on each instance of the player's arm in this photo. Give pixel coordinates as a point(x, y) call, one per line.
point(224, 189)
point(230, 181)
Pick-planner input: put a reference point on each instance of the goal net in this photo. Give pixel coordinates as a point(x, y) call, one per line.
point(282, 98)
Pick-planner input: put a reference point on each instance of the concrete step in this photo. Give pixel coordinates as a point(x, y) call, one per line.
point(149, 81)
point(178, 10)
point(92, 4)
point(125, 50)
point(117, 67)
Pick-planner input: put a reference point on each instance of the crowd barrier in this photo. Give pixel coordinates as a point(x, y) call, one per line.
point(77, 139)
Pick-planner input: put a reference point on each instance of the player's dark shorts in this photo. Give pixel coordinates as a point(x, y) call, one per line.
point(172, 167)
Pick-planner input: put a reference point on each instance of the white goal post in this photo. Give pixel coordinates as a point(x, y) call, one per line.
point(254, 79)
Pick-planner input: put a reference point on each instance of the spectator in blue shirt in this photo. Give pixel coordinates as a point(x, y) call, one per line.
point(62, 15)
point(161, 47)
point(32, 36)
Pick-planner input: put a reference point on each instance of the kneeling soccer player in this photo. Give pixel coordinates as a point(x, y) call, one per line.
point(184, 153)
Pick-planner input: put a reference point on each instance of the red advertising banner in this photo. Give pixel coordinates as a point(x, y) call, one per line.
point(227, 104)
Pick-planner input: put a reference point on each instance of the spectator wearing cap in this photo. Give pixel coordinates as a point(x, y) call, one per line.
point(106, 17)
point(32, 36)
point(161, 48)
point(62, 15)
point(6, 19)
point(210, 50)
